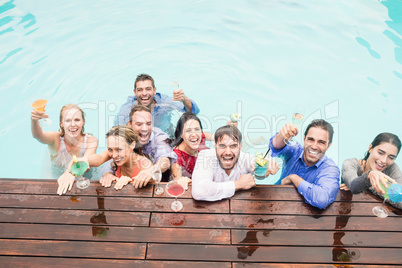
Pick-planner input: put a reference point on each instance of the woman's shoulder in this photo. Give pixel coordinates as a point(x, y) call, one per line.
point(91, 138)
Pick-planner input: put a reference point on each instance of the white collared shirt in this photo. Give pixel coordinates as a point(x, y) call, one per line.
point(210, 182)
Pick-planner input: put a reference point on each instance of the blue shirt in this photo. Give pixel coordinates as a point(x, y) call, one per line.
point(162, 114)
point(320, 183)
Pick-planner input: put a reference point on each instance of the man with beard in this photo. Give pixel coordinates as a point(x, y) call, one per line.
point(162, 106)
point(315, 176)
point(219, 173)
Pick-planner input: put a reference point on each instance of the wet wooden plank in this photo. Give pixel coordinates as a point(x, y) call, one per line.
point(109, 203)
point(300, 265)
point(49, 187)
point(74, 217)
point(113, 233)
point(100, 263)
point(316, 238)
point(336, 255)
point(44, 248)
point(302, 208)
point(259, 221)
point(289, 192)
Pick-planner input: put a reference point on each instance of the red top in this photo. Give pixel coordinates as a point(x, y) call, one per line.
point(186, 161)
point(137, 170)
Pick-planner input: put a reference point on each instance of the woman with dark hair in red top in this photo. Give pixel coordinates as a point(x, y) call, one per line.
point(189, 140)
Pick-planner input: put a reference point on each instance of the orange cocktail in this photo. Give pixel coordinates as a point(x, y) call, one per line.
point(39, 105)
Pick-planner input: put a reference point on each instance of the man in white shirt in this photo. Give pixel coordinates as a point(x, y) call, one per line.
point(219, 173)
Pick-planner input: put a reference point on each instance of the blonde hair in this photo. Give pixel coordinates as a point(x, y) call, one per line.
point(128, 135)
point(70, 106)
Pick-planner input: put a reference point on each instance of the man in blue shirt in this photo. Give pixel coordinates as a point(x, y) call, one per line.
point(162, 106)
point(315, 176)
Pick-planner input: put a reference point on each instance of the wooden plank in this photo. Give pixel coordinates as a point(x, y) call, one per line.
point(109, 203)
point(49, 187)
point(302, 208)
point(100, 263)
point(107, 250)
point(74, 217)
point(316, 238)
point(289, 192)
point(351, 223)
point(336, 255)
point(301, 265)
point(113, 233)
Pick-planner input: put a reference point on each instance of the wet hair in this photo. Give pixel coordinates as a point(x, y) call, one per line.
point(231, 131)
point(180, 127)
point(384, 137)
point(320, 123)
point(138, 108)
point(143, 77)
point(68, 107)
point(128, 135)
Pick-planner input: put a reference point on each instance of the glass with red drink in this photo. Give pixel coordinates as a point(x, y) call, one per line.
point(174, 189)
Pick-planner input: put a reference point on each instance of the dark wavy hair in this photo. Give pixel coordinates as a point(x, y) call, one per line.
point(320, 123)
point(233, 132)
point(180, 126)
point(384, 137)
point(143, 77)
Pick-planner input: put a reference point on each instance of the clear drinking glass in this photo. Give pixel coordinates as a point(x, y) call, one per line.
point(382, 211)
point(174, 189)
point(157, 176)
point(296, 121)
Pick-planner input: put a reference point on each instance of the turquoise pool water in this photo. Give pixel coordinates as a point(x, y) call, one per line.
point(340, 59)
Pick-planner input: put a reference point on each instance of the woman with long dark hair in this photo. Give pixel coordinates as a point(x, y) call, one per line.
point(377, 167)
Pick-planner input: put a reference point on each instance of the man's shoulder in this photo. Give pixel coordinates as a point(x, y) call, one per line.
point(328, 163)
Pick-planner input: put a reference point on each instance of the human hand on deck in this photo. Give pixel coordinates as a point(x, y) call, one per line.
point(65, 182)
point(107, 179)
point(273, 167)
point(377, 178)
point(184, 181)
point(245, 182)
point(142, 178)
point(121, 182)
point(178, 95)
point(35, 115)
point(344, 187)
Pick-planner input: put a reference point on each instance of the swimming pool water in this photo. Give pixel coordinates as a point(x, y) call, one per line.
point(340, 59)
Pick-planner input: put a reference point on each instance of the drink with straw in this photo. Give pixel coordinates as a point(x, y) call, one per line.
point(261, 166)
point(39, 105)
point(78, 169)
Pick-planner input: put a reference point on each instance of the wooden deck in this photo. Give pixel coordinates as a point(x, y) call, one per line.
point(262, 227)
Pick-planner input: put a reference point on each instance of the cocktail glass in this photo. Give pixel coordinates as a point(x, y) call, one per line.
point(296, 121)
point(39, 105)
point(174, 189)
point(78, 169)
point(261, 166)
point(382, 211)
point(157, 176)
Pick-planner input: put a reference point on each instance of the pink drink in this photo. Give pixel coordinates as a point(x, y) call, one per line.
point(175, 190)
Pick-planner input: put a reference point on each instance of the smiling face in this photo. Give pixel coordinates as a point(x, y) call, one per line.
point(72, 122)
point(192, 134)
point(119, 150)
point(145, 92)
point(381, 156)
point(227, 152)
point(316, 143)
point(141, 123)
